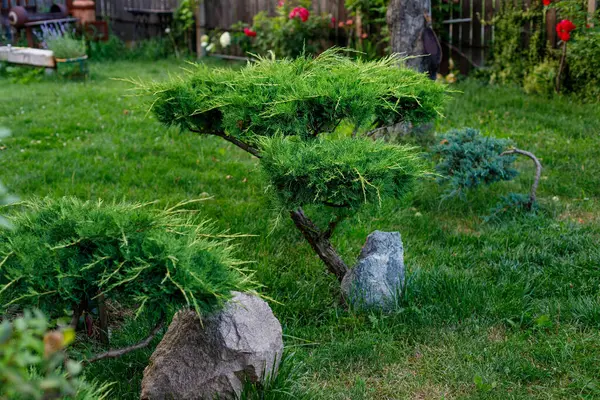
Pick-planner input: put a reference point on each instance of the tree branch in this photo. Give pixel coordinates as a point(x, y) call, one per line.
point(331, 227)
point(242, 145)
point(538, 172)
point(114, 353)
point(320, 243)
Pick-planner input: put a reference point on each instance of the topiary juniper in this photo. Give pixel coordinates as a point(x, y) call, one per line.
point(282, 111)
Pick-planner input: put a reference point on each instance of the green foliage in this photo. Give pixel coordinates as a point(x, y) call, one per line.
point(21, 74)
point(511, 206)
point(33, 364)
point(541, 79)
point(65, 45)
point(113, 49)
point(534, 64)
point(374, 36)
point(340, 173)
point(511, 59)
point(303, 97)
point(466, 159)
point(285, 36)
point(65, 252)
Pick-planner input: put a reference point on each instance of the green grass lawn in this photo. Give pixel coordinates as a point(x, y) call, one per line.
point(500, 308)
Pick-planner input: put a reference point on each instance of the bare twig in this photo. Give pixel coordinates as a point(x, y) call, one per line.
point(242, 145)
point(538, 172)
point(114, 353)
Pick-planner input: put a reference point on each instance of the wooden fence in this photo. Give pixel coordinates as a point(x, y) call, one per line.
point(460, 24)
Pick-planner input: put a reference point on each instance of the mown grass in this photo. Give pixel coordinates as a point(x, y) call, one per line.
point(507, 307)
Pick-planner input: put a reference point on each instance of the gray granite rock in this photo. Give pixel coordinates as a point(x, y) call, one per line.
point(378, 277)
point(212, 359)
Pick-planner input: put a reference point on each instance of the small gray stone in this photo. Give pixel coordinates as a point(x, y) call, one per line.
point(212, 359)
point(378, 277)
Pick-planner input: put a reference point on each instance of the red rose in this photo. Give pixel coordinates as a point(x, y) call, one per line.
point(332, 22)
point(564, 28)
point(249, 32)
point(546, 2)
point(301, 12)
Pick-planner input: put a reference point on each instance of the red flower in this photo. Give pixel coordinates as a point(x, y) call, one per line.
point(564, 28)
point(249, 32)
point(546, 2)
point(332, 22)
point(349, 22)
point(301, 12)
point(280, 3)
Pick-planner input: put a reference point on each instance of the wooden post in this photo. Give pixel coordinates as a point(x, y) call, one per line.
point(591, 10)
point(551, 26)
point(200, 23)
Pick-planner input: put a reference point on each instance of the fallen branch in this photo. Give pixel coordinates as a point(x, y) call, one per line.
point(538, 172)
point(114, 353)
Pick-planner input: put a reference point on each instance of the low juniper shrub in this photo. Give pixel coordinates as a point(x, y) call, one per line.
point(465, 159)
point(62, 254)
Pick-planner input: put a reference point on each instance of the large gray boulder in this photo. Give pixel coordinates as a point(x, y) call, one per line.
point(378, 278)
point(212, 359)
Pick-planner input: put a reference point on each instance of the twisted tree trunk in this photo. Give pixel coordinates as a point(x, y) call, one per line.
point(320, 243)
point(318, 240)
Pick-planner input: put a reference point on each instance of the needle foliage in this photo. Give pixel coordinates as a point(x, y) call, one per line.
point(63, 252)
point(466, 159)
point(301, 97)
point(338, 173)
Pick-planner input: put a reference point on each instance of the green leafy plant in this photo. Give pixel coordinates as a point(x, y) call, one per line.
point(65, 45)
point(282, 111)
point(34, 365)
point(541, 79)
point(528, 63)
point(71, 255)
point(284, 35)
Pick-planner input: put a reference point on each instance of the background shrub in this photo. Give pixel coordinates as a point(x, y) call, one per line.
point(465, 159)
point(63, 253)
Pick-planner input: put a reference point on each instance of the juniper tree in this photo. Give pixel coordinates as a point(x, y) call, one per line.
point(71, 255)
point(284, 111)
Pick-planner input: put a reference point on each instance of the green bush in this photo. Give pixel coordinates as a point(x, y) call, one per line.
point(465, 159)
point(340, 173)
point(65, 45)
point(63, 253)
point(33, 364)
point(541, 79)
